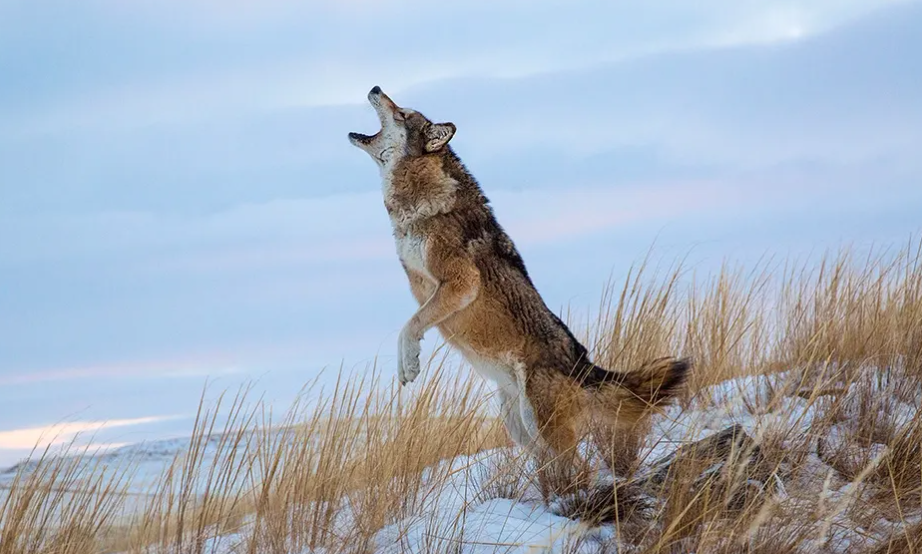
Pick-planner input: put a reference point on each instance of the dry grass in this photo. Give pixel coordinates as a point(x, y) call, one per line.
point(342, 464)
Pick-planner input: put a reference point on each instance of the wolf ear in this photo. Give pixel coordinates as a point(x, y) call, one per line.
point(438, 135)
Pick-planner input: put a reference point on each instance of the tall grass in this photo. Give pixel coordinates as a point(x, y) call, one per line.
point(333, 471)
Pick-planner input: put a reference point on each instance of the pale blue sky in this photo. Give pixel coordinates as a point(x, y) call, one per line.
point(178, 200)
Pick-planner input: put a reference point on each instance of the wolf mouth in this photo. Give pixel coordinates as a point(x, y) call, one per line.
point(381, 107)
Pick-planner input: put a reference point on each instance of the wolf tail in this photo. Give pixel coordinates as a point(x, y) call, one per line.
point(637, 392)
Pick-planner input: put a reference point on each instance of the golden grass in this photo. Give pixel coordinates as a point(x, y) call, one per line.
point(342, 464)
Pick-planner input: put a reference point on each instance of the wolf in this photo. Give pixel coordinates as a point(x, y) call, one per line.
point(471, 283)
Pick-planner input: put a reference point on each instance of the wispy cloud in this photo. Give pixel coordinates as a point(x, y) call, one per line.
point(301, 232)
point(140, 369)
point(186, 61)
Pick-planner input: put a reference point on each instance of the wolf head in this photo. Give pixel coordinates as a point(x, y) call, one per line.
point(404, 133)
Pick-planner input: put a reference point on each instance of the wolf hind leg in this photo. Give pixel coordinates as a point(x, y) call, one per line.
point(550, 408)
point(618, 444)
point(510, 406)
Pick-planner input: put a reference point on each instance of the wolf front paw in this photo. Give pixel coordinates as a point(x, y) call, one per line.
point(407, 358)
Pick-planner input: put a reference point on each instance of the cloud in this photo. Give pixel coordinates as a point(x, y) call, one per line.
point(237, 289)
point(149, 63)
point(844, 98)
point(151, 369)
point(62, 433)
point(341, 228)
point(848, 96)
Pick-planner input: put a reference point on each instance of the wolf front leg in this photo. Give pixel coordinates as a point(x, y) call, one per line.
point(457, 284)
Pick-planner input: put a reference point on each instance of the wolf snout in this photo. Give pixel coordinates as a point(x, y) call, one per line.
point(380, 101)
point(375, 94)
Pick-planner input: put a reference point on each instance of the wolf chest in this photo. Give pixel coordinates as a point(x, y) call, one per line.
point(411, 249)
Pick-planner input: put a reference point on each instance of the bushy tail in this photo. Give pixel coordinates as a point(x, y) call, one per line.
point(657, 382)
point(636, 392)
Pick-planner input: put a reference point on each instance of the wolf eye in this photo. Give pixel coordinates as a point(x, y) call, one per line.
point(400, 116)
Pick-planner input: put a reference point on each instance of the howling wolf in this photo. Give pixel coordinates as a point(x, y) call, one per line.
point(471, 283)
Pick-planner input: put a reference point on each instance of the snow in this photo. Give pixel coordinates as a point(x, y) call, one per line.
point(499, 524)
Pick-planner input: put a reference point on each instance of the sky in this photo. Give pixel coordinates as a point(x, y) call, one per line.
point(179, 205)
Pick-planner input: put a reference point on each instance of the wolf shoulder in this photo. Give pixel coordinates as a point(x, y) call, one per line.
point(475, 234)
